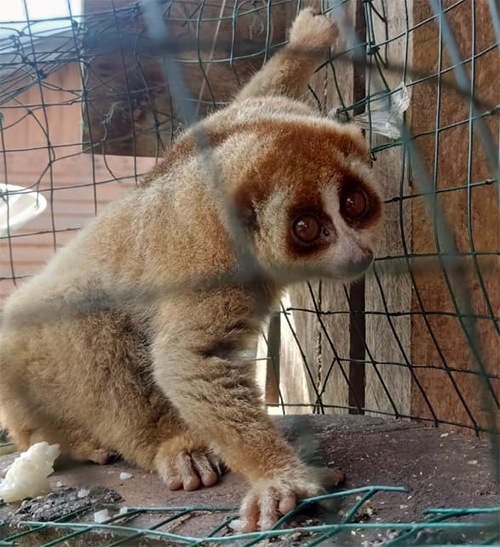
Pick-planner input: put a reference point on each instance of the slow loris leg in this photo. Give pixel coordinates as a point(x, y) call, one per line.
point(289, 71)
point(120, 410)
point(217, 398)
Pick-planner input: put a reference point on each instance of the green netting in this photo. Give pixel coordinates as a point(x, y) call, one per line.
point(438, 526)
point(36, 92)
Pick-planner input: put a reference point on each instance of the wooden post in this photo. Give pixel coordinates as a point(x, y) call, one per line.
point(388, 376)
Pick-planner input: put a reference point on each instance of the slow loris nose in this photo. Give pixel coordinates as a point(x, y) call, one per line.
point(359, 265)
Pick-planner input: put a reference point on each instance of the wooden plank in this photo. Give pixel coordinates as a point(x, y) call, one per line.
point(388, 386)
point(334, 365)
point(299, 351)
point(334, 328)
point(73, 185)
point(439, 340)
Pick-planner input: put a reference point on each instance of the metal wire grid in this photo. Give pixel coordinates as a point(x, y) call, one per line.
point(446, 251)
point(28, 66)
point(24, 64)
point(441, 526)
point(27, 59)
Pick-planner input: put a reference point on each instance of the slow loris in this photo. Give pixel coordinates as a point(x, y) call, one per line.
point(128, 341)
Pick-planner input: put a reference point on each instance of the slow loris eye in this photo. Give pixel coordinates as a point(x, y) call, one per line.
point(354, 204)
point(307, 228)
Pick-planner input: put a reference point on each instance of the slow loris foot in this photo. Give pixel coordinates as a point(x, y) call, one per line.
point(73, 447)
point(269, 499)
point(312, 31)
point(183, 464)
point(98, 456)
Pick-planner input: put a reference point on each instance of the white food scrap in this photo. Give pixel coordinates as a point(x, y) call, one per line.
point(101, 516)
point(124, 476)
point(27, 476)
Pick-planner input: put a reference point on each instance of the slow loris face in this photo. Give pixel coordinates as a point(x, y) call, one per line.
point(310, 201)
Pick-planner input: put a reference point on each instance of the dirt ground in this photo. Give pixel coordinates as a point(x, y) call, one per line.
point(438, 470)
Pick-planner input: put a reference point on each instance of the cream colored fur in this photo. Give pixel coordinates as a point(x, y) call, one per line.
point(117, 346)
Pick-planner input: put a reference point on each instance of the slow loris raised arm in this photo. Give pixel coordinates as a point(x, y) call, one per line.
point(98, 355)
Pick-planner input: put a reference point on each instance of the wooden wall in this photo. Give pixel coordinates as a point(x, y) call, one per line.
point(61, 171)
point(418, 362)
point(215, 46)
point(455, 159)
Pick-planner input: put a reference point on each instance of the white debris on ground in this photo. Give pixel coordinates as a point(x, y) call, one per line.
point(27, 476)
point(101, 516)
point(63, 501)
point(125, 476)
point(236, 525)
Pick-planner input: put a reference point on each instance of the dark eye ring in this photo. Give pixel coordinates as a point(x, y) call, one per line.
point(307, 228)
point(354, 204)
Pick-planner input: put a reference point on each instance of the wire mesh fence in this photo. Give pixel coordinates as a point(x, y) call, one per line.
point(90, 99)
point(450, 525)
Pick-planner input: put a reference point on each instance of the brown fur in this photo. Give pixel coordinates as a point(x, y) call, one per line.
point(100, 354)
